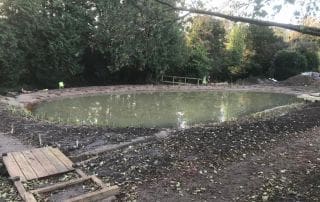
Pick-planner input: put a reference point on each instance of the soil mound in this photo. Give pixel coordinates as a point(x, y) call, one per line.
point(302, 80)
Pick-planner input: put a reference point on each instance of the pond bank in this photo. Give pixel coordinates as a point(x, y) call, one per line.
point(33, 98)
point(244, 160)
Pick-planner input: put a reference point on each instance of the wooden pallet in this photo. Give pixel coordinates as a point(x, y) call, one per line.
point(45, 162)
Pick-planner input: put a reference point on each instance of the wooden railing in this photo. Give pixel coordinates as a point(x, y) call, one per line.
point(180, 80)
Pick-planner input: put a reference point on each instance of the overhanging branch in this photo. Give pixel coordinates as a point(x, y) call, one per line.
point(298, 28)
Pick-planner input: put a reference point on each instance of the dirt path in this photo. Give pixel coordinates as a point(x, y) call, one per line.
point(276, 174)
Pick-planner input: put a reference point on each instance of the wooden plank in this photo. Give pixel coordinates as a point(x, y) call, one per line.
point(96, 196)
point(12, 167)
point(60, 167)
point(35, 164)
point(65, 160)
point(93, 177)
point(98, 181)
point(24, 166)
point(44, 161)
point(81, 173)
point(26, 196)
point(60, 185)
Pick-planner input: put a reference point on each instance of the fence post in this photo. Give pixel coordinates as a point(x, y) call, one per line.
point(173, 80)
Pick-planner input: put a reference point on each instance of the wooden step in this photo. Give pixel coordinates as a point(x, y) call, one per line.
point(96, 196)
point(60, 185)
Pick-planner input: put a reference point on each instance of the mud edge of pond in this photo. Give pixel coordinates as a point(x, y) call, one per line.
point(30, 100)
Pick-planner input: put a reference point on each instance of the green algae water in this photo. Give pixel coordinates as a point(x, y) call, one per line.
point(159, 109)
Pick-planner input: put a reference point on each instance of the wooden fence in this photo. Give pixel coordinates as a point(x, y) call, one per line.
point(180, 80)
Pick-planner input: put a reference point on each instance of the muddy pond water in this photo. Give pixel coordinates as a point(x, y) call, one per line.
point(159, 109)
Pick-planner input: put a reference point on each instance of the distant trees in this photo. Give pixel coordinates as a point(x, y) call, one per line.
point(102, 42)
point(237, 53)
point(87, 42)
point(288, 63)
point(205, 41)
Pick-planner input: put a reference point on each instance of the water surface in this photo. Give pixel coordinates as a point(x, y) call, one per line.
point(163, 109)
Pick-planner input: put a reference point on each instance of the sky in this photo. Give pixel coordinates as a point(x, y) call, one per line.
point(286, 15)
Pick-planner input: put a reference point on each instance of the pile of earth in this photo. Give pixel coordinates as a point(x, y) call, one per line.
point(301, 80)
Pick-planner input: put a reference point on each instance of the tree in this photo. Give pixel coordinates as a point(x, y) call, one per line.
point(299, 28)
point(50, 36)
point(206, 38)
point(236, 52)
point(263, 44)
point(73, 41)
point(144, 42)
point(10, 57)
point(288, 63)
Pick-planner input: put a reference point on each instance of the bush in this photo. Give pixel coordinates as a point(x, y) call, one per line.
point(312, 60)
point(288, 63)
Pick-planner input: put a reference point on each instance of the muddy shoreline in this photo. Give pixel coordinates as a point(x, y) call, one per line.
point(274, 159)
point(33, 98)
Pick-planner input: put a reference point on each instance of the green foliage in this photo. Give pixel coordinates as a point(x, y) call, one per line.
point(308, 47)
point(10, 57)
point(236, 52)
point(199, 62)
point(263, 44)
point(251, 50)
point(108, 41)
point(49, 36)
point(205, 39)
point(313, 61)
point(88, 42)
point(288, 63)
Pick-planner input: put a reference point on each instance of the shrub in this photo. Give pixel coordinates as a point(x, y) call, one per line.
point(288, 63)
point(312, 60)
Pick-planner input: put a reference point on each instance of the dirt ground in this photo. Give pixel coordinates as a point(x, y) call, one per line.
point(251, 159)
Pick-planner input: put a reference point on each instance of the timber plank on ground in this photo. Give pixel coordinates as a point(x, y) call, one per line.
point(45, 162)
point(35, 164)
point(60, 167)
point(24, 165)
point(96, 196)
point(60, 185)
point(66, 161)
point(14, 170)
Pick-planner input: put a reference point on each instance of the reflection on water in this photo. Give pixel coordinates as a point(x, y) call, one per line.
point(178, 109)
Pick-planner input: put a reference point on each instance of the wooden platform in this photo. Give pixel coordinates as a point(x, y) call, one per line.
point(45, 162)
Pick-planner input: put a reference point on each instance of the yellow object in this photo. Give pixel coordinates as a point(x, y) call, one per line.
point(204, 81)
point(61, 84)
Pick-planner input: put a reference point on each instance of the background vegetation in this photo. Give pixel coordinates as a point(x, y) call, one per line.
point(102, 42)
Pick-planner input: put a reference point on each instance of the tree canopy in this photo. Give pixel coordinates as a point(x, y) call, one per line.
point(101, 42)
point(258, 5)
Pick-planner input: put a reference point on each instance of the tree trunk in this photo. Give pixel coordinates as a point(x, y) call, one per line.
point(298, 28)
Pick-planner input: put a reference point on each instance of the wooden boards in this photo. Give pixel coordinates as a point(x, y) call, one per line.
point(37, 163)
point(61, 185)
point(96, 196)
point(45, 162)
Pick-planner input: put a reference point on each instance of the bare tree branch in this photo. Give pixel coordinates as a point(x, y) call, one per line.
point(298, 28)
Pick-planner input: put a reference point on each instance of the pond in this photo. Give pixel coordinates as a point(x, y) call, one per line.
point(159, 109)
